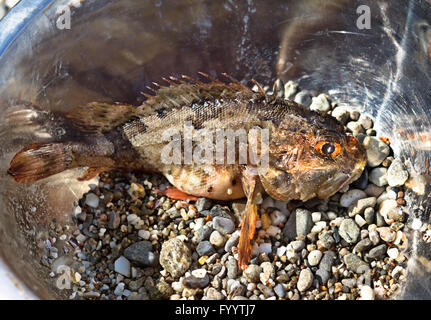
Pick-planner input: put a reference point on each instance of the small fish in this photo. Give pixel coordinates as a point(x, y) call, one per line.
point(309, 154)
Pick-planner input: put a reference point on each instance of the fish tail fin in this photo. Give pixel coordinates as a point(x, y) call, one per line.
point(247, 233)
point(38, 161)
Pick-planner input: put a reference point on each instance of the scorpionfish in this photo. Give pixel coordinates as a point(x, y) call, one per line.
point(308, 154)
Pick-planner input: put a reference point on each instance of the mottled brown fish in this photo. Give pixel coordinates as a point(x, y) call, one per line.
point(309, 154)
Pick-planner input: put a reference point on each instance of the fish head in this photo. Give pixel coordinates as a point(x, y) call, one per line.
point(316, 159)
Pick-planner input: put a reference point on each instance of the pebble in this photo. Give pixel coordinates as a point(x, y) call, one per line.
point(267, 272)
point(341, 114)
point(387, 234)
point(367, 293)
point(355, 127)
point(92, 200)
point(277, 217)
point(397, 174)
point(304, 222)
point(265, 247)
point(252, 273)
point(360, 221)
point(322, 276)
point(175, 257)
point(369, 215)
point(314, 257)
point(379, 176)
point(114, 220)
point(144, 234)
point(359, 206)
point(119, 289)
point(349, 231)
point(303, 97)
point(377, 252)
point(232, 241)
point(393, 253)
point(297, 245)
point(305, 279)
point(376, 150)
point(122, 266)
point(327, 261)
point(232, 268)
point(363, 245)
point(203, 204)
point(320, 103)
point(326, 240)
point(351, 196)
point(205, 248)
point(354, 263)
point(198, 279)
point(214, 294)
point(204, 233)
point(140, 252)
point(290, 89)
point(217, 239)
point(223, 225)
point(374, 191)
point(279, 290)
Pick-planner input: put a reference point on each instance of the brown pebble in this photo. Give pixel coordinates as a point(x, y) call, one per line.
point(338, 287)
point(401, 201)
point(103, 217)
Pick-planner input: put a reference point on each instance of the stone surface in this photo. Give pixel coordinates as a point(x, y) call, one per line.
point(305, 279)
point(349, 231)
point(304, 222)
point(175, 257)
point(397, 174)
point(376, 149)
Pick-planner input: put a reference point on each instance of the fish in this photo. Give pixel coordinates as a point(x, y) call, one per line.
point(289, 153)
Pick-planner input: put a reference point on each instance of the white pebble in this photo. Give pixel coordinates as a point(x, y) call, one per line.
point(144, 234)
point(119, 289)
point(367, 293)
point(268, 203)
point(319, 226)
point(122, 266)
point(278, 217)
point(393, 253)
point(416, 224)
point(360, 221)
point(281, 251)
point(316, 216)
point(92, 200)
point(199, 273)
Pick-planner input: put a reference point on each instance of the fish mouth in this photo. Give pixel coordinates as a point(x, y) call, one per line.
point(339, 181)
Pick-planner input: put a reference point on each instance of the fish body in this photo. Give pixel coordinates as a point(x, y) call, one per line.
point(176, 133)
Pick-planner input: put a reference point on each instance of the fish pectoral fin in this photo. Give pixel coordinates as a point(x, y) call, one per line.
point(176, 194)
point(248, 224)
point(100, 117)
point(92, 173)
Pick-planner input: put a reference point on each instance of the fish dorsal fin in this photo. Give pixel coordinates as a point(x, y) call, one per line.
point(186, 91)
point(100, 117)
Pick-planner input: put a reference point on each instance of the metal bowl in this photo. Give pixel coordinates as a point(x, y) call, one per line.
point(113, 49)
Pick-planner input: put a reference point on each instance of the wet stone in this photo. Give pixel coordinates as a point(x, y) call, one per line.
point(397, 174)
point(379, 177)
point(376, 149)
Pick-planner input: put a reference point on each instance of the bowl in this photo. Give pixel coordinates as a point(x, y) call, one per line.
point(59, 54)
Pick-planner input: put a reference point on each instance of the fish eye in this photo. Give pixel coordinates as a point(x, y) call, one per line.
point(327, 148)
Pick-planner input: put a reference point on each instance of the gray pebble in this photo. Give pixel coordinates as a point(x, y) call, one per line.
point(365, 121)
point(355, 127)
point(363, 245)
point(323, 276)
point(203, 204)
point(140, 252)
point(326, 239)
point(362, 182)
point(350, 283)
point(349, 231)
point(397, 174)
point(279, 290)
point(304, 98)
point(232, 268)
point(353, 262)
point(369, 215)
point(214, 294)
point(267, 292)
point(204, 233)
point(379, 176)
point(219, 211)
point(328, 260)
point(289, 230)
point(204, 248)
point(351, 197)
point(377, 252)
point(359, 206)
point(223, 225)
point(376, 149)
point(304, 222)
point(196, 282)
point(114, 220)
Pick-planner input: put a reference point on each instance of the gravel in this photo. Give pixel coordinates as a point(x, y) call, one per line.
point(129, 242)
